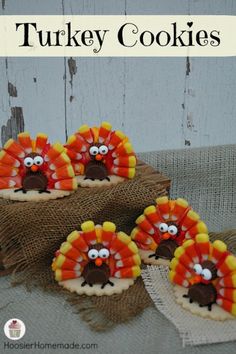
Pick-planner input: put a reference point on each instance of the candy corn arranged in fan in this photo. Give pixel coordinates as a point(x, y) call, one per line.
point(164, 227)
point(99, 154)
point(208, 270)
point(34, 165)
point(97, 255)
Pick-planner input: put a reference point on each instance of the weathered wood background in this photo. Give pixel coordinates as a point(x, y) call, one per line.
point(161, 103)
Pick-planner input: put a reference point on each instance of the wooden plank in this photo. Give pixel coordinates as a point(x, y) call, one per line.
point(94, 86)
point(209, 106)
point(30, 7)
point(32, 89)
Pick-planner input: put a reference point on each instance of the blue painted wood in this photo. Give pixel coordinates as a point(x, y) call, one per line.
point(160, 102)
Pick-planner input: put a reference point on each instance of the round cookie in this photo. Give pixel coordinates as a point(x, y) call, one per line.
point(35, 170)
point(204, 276)
point(101, 156)
point(164, 227)
point(97, 261)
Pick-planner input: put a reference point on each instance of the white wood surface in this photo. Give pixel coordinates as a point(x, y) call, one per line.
point(160, 103)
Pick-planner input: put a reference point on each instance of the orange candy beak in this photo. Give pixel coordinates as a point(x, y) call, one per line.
point(166, 236)
point(98, 157)
point(195, 280)
point(98, 262)
point(34, 168)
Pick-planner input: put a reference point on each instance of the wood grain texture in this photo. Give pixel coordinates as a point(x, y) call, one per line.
point(160, 103)
point(38, 82)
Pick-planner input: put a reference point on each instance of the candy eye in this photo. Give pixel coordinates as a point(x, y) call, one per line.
point(28, 161)
point(163, 227)
point(104, 253)
point(92, 254)
point(38, 160)
point(93, 150)
point(206, 274)
point(197, 269)
point(103, 149)
point(172, 229)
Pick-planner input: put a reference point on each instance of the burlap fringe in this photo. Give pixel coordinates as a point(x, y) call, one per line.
point(89, 313)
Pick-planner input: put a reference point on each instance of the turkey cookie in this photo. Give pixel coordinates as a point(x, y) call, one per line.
point(164, 227)
point(97, 260)
point(100, 156)
point(34, 170)
point(204, 275)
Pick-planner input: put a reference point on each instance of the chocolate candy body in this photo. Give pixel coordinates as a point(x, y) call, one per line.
point(96, 275)
point(166, 249)
point(96, 170)
point(204, 294)
point(34, 181)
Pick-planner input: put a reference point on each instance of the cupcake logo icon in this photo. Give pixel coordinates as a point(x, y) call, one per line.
point(14, 329)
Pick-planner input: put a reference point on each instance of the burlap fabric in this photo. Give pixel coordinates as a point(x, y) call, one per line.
point(31, 232)
point(193, 329)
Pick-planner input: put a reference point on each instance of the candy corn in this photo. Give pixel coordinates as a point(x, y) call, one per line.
point(65, 171)
point(129, 261)
point(116, 138)
point(180, 207)
point(176, 266)
point(55, 150)
point(60, 161)
point(61, 274)
point(86, 133)
point(89, 232)
point(199, 228)
point(178, 279)
point(66, 184)
point(7, 159)
point(143, 222)
point(40, 142)
point(119, 242)
point(227, 305)
point(218, 250)
point(123, 172)
point(71, 252)
point(63, 262)
point(77, 241)
point(129, 272)
point(152, 215)
point(163, 206)
point(127, 251)
point(104, 132)
point(190, 219)
point(25, 141)
point(229, 281)
point(203, 246)
point(108, 230)
point(227, 266)
point(141, 237)
point(182, 256)
point(76, 143)
point(8, 171)
point(14, 148)
point(7, 182)
point(191, 250)
point(125, 161)
point(123, 150)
